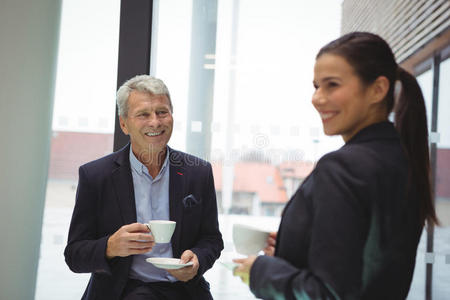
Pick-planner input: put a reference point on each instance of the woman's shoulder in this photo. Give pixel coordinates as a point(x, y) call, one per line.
point(350, 153)
point(356, 160)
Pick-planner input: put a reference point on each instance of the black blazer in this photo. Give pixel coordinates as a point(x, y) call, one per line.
point(351, 230)
point(105, 202)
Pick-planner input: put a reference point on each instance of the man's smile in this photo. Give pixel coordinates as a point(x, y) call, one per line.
point(154, 133)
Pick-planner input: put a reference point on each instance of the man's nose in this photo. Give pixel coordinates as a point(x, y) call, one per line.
point(153, 120)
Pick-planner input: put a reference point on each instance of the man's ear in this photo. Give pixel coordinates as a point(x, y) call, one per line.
point(379, 89)
point(123, 125)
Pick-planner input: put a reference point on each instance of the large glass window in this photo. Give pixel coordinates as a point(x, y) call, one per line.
point(425, 81)
point(83, 125)
point(441, 266)
point(439, 258)
point(252, 106)
point(240, 77)
point(417, 291)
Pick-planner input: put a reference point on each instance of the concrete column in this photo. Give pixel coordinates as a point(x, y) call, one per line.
point(29, 33)
point(201, 77)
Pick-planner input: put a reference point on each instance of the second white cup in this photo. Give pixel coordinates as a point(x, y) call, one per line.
point(249, 240)
point(162, 230)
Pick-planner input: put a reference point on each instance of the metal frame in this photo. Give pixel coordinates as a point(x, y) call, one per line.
point(432, 63)
point(433, 157)
point(135, 57)
point(134, 49)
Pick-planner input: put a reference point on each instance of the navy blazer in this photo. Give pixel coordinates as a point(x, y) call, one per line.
point(351, 230)
point(105, 202)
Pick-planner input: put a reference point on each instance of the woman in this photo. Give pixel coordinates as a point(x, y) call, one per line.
point(351, 230)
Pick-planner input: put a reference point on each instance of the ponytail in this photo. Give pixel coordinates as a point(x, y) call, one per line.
point(411, 123)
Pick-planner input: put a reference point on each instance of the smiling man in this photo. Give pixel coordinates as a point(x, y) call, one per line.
point(146, 180)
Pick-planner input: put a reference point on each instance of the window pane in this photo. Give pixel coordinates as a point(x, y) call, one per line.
point(425, 81)
point(265, 134)
point(441, 255)
point(83, 125)
point(417, 290)
point(441, 267)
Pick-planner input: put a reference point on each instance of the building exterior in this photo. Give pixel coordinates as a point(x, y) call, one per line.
point(414, 29)
point(70, 150)
point(293, 174)
point(262, 188)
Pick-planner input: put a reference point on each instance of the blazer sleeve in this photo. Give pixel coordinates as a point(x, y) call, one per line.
point(85, 252)
point(210, 243)
point(338, 233)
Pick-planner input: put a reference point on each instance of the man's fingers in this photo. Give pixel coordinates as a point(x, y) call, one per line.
point(140, 245)
point(136, 227)
point(139, 251)
point(135, 235)
point(188, 272)
point(183, 274)
point(145, 237)
point(186, 256)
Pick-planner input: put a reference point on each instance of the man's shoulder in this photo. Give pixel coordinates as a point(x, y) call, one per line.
point(107, 162)
point(183, 159)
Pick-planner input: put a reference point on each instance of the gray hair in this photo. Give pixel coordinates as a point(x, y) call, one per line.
point(140, 83)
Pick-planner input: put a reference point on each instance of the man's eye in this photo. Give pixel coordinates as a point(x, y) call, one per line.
point(161, 112)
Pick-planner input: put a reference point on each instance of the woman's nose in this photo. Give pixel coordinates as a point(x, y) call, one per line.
point(317, 98)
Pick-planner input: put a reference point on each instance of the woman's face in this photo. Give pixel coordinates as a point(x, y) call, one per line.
point(343, 102)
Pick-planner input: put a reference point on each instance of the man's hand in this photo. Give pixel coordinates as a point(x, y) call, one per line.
point(186, 273)
point(130, 239)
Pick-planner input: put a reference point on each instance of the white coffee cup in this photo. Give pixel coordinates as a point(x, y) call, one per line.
point(161, 230)
point(249, 240)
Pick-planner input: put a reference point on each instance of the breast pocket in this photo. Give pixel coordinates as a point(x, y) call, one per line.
point(190, 201)
point(192, 214)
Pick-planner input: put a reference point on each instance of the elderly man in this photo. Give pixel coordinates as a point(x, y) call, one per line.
point(145, 180)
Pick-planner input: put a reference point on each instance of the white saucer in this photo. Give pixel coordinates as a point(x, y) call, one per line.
point(229, 265)
point(167, 263)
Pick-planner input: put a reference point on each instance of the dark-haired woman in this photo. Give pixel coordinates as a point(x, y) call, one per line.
point(351, 230)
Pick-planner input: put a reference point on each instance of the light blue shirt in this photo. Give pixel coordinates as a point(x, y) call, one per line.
point(152, 203)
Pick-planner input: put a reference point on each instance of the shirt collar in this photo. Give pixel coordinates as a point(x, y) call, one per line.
point(381, 130)
point(141, 168)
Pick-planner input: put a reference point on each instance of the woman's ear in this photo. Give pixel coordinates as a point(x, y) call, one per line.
point(379, 89)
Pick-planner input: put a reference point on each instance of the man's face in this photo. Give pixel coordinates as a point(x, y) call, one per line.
point(149, 123)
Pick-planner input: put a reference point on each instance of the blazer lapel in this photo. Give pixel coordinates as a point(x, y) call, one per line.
point(177, 181)
point(123, 185)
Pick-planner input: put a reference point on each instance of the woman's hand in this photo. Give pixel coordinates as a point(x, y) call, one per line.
point(244, 267)
point(271, 242)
